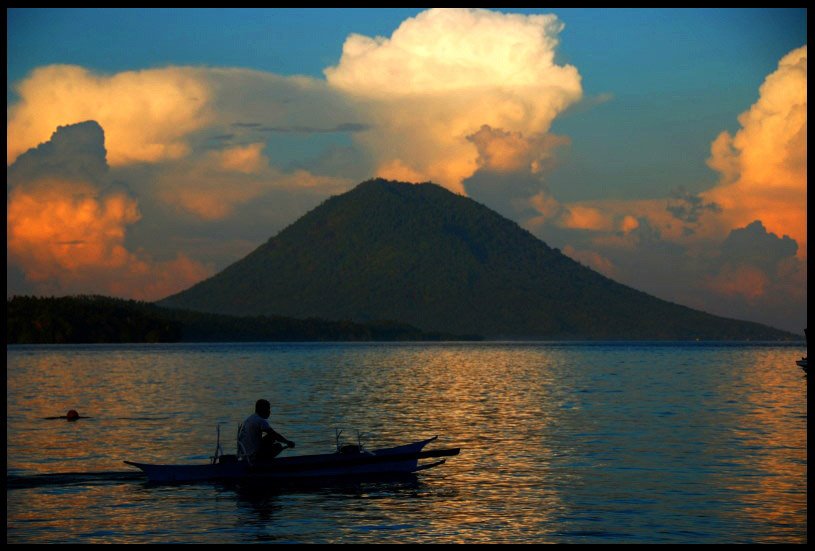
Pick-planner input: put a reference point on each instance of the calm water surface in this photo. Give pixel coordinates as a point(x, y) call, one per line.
point(612, 443)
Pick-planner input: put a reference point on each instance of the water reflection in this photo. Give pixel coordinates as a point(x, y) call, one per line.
point(560, 443)
point(769, 469)
point(376, 504)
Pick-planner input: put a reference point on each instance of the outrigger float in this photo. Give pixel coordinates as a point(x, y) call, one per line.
point(348, 461)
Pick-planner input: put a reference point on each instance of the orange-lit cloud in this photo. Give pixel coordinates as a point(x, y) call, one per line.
point(445, 74)
point(214, 186)
point(581, 217)
point(396, 169)
point(550, 209)
point(147, 115)
point(502, 151)
point(208, 199)
point(763, 166)
point(746, 281)
point(154, 280)
point(609, 220)
point(629, 224)
point(67, 238)
point(55, 226)
point(246, 159)
point(612, 220)
point(303, 179)
point(754, 262)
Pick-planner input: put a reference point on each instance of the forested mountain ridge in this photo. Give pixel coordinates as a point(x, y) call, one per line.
point(99, 319)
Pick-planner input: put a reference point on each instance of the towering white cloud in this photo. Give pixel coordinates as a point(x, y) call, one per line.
point(442, 77)
point(764, 165)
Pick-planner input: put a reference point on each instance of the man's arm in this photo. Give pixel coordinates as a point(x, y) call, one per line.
point(278, 437)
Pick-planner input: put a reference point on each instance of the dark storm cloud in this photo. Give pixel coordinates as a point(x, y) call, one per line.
point(755, 246)
point(688, 207)
point(343, 127)
point(74, 152)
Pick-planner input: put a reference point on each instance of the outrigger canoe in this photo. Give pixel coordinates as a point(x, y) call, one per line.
point(353, 462)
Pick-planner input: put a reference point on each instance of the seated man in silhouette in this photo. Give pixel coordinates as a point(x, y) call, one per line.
point(256, 439)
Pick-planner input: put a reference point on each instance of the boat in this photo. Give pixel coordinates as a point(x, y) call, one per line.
point(347, 462)
point(802, 363)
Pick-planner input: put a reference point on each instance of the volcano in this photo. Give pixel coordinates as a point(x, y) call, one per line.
point(421, 255)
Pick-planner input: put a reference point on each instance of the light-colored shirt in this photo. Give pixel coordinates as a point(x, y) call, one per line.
point(251, 433)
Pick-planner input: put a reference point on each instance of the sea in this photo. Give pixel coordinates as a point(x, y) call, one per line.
point(561, 442)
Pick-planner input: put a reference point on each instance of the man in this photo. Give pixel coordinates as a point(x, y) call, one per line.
point(256, 439)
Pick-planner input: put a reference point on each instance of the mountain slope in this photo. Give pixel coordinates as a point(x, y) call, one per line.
point(418, 254)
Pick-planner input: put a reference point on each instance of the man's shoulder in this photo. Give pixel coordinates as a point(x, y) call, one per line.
point(255, 419)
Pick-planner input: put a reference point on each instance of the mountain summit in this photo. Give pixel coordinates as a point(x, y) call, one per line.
point(419, 254)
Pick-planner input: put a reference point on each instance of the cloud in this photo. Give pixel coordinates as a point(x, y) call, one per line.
point(442, 76)
point(502, 151)
point(687, 207)
point(58, 225)
point(147, 114)
point(607, 220)
point(167, 114)
point(66, 229)
point(74, 152)
point(751, 273)
point(581, 217)
point(549, 208)
point(246, 159)
point(746, 281)
point(754, 245)
point(69, 238)
point(255, 104)
point(216, 185)
point(629, 224)
point(763, 166)
point(342, 127)
point(754, 263)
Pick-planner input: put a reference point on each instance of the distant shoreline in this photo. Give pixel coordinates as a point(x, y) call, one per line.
point(486, 342)
point(107, 320)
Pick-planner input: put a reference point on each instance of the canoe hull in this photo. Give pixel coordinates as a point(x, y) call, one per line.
point(397, 460)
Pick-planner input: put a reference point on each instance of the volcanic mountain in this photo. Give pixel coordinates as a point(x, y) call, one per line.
point(419, 254)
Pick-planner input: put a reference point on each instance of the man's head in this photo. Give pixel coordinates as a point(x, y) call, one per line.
point(263, 408)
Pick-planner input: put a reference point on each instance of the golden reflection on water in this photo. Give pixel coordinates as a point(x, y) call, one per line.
point(494, 411)
point(768, 396)
point(135, 402)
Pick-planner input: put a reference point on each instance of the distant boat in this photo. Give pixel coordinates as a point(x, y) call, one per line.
point(803, 361)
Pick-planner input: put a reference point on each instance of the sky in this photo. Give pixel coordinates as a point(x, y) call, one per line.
point(149, 149)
